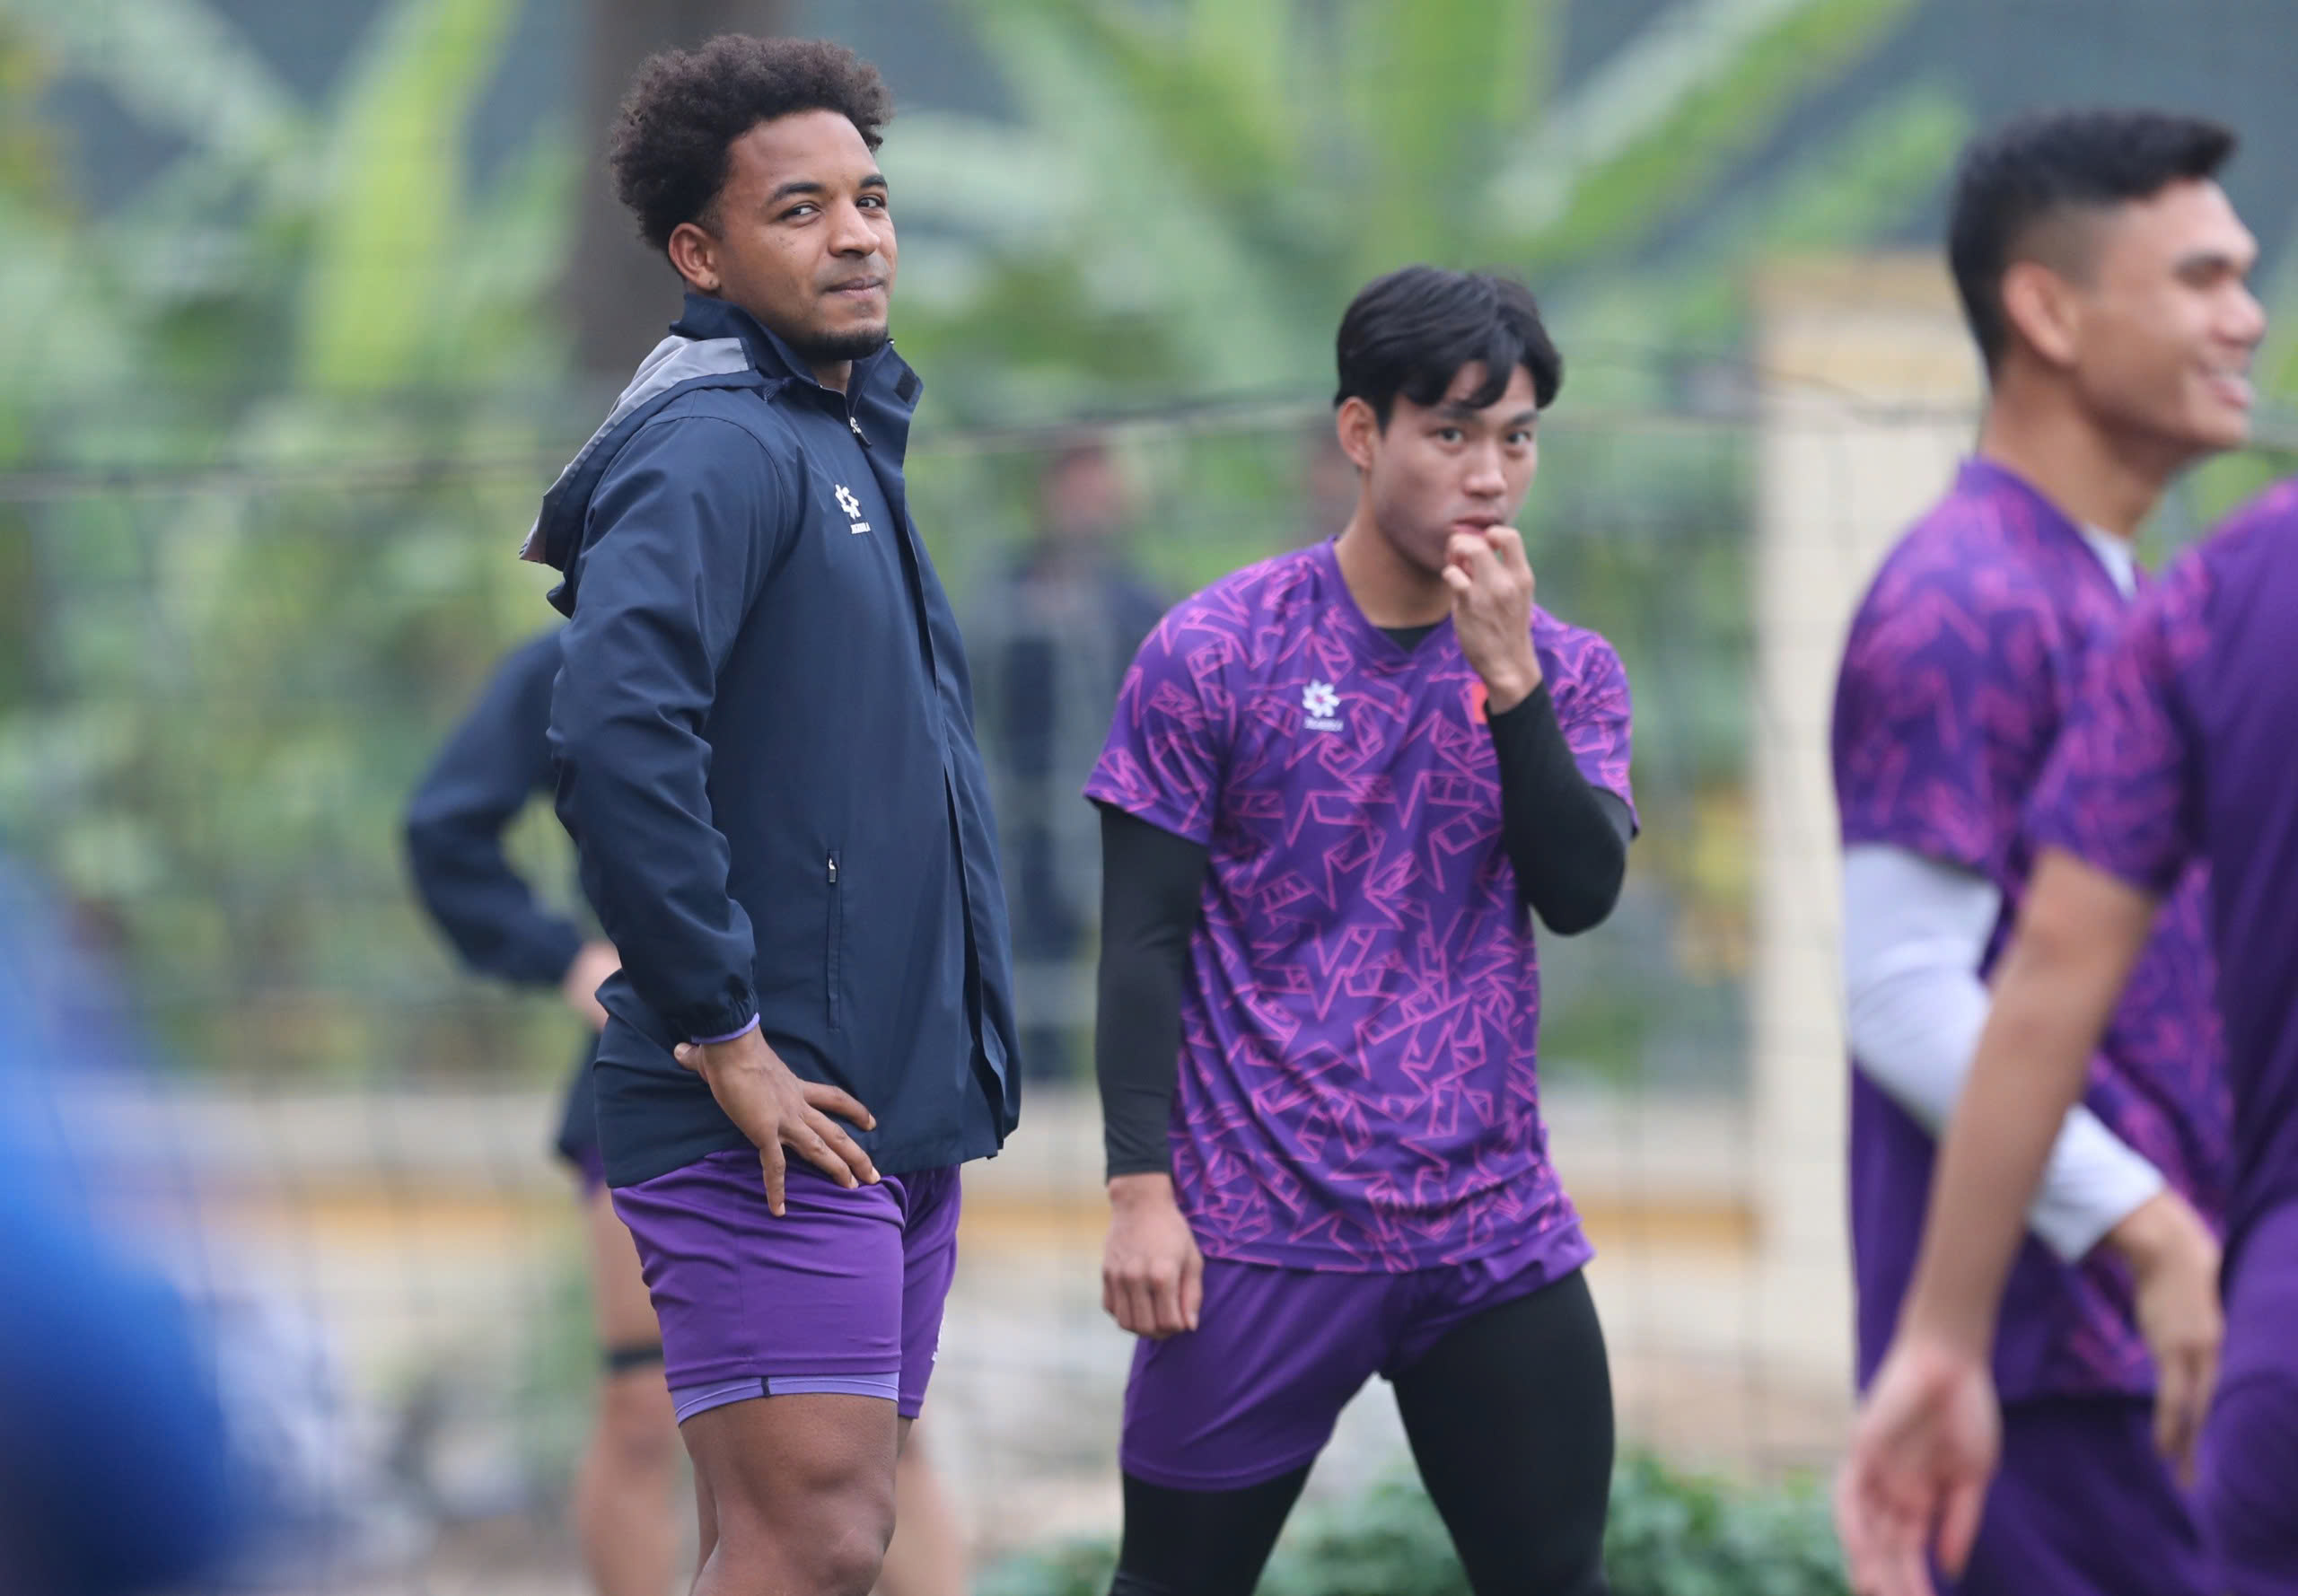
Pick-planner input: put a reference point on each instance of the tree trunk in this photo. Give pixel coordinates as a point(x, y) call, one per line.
point(619, 293)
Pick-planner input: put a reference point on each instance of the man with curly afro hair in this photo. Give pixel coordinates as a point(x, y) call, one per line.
point(763, 731)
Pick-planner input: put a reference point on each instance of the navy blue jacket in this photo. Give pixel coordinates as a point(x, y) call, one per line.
point(490, 768)
point(764, 733)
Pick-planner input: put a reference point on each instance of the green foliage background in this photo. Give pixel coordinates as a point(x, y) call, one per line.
point(1670, 1534)
point(284, 413)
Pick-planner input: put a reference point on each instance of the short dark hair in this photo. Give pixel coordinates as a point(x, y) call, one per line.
point(1411, 331)
point(2036, 167)
point(686, 107)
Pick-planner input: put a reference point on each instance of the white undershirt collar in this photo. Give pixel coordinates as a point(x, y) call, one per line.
point(2117, 555)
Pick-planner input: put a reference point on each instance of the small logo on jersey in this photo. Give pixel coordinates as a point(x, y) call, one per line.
point(1478, 697)
point(853, 508)
point(1323, 704)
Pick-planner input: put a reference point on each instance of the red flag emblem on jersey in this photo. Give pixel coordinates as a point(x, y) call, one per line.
point(1477, 698)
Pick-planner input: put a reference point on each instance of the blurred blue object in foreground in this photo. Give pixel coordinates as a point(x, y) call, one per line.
point(115, 1467)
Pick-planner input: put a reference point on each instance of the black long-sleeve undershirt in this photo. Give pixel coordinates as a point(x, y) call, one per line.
point(1152, 886)
point(1565, 837)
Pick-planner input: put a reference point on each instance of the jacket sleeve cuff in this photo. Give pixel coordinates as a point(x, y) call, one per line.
point(719, 1011)
point(712, 1041)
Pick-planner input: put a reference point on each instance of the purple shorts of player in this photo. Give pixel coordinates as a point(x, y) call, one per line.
point(843, 1293)
point(2084, 1505)
point(2249, 1485)
point(1254, 1390)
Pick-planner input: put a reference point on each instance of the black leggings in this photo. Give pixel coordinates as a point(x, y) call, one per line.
point(1510, 1418)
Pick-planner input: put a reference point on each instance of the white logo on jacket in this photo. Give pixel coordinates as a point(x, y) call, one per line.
point(853, 508)
point(1323, 702)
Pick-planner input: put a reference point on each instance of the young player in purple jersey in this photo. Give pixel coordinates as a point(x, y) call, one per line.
point(2103, 274)
point(2184, 747)
point(1339, 785)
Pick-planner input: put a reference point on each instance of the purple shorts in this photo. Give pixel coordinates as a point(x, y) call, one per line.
point(843, 1293)
point(2248, 1487)
point(2084, 1505)
point(1254, 1391)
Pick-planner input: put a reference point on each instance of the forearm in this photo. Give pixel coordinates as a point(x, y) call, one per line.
point(1151, 883)
point(657, 871)
point(1915, 932)
point(1914, 1036)
point(687, 520)
point(1565, 837)
point(2054, 994)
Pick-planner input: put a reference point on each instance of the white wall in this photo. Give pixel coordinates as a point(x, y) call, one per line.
point(1870, 392)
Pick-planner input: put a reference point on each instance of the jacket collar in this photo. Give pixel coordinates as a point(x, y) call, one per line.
point(880, 396)
point(716, 345)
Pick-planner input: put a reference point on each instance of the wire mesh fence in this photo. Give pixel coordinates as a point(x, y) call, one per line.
point(220, 677)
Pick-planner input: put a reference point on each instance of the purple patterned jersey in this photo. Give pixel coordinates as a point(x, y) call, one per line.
point(2185, 748)
point(1357, 1085)
point(1960, 668)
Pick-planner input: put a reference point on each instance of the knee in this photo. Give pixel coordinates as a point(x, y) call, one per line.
point(840, 1549)
point(852, 1552)
point(825, 1543)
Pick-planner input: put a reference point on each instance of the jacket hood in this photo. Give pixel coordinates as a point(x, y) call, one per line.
point(712, 345)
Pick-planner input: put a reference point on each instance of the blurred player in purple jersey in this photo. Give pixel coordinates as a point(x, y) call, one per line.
point(2103, 274)
point(1339, 786)
point(2183, 748)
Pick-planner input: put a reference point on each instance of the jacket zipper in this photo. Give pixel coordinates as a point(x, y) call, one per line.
point(833, 948)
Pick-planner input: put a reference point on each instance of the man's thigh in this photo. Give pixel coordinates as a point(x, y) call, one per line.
point(931, 1205)
point(1253, 1392)
point(750, 1304)
point(1505, 1389)
point(2248, 1494)
point(2250, 1485)
point(2084, 1505)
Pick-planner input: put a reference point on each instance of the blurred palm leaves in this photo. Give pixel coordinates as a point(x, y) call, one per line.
point(1193, 191)
point(340, 246)
point(311, 332)
point(325, 315)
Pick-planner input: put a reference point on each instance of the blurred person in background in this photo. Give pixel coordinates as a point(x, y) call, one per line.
point(2182, 747)
point(2103, 274)
point(1051, 639)
point(492, 765)
point(117, 1472)
point(764, 734)
point(1339, 786)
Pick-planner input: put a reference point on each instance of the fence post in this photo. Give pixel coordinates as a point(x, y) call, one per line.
point(1869, 394)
